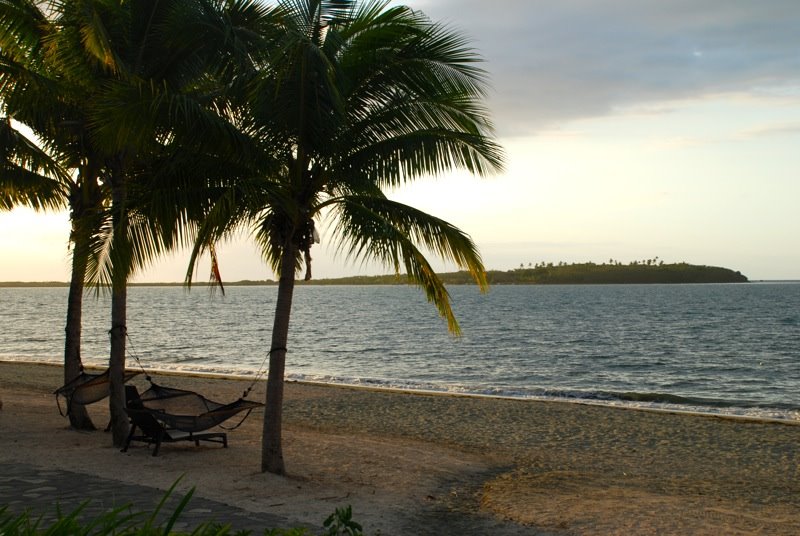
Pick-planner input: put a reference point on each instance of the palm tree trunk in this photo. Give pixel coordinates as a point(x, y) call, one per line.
point(78, 416)
point(271, 443)
point(119, 304)
point(116, 365)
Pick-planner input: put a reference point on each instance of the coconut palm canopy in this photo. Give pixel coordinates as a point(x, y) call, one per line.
point(121, 93)
point(358, 97)
point(59, 170)
point(354, 98)
point(200, 117)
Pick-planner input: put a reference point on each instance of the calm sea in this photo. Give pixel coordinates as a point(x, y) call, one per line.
point(732, 349)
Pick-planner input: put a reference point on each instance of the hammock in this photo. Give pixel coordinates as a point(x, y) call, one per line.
point(86, 388)
point(188, 411)
point(178, 409)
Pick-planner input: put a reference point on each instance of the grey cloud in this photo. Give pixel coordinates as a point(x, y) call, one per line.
point(552, 61)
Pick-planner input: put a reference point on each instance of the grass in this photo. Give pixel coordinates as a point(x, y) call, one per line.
point(123, 521)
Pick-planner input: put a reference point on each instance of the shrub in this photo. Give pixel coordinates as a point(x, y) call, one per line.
point(122, 522)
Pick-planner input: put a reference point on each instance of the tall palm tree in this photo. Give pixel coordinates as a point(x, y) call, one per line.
point(356, 97)
point(49, 104)
point(54, 188)
point(164, 94)
point(119, 89)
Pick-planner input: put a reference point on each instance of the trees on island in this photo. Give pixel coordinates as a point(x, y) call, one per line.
point(614, 272)
point(189, 120)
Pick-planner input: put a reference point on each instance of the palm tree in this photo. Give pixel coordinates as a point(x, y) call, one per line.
point(167, 98)
point(156, 93)
point(50, 106)
point(121, 89)
point(56, 189)
point(356, 97)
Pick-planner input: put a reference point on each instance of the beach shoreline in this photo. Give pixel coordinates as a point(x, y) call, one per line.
point(404, 459)
point(676, 409)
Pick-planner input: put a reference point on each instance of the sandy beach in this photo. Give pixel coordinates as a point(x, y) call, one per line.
point(441, 464)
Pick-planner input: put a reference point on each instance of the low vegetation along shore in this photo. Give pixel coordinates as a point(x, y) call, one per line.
point(411, 463)
point(589, 273)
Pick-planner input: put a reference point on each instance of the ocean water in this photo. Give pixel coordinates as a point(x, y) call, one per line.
point(729, 349)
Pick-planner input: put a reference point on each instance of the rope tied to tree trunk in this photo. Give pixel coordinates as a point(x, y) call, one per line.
point(121, 327)
point(261, 370)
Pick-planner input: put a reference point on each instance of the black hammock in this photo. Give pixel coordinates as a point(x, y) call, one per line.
point(86, 388)
point(188, 411)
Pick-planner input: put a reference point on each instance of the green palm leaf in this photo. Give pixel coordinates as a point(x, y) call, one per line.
point(396, 235)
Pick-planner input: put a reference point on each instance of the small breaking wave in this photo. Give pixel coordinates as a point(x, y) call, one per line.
point(649, 401)
point(634, 400)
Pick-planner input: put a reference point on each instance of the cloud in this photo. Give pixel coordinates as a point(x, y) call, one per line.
point(781, 129)
point(552, 62)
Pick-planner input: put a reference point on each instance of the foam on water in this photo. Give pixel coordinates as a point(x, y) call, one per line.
point(719, 349)
point(641, 401)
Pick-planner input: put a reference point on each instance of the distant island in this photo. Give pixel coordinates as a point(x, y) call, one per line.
point(562, 273)
point(588, 273)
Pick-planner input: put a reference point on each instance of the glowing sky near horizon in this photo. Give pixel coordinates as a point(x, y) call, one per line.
point(632, 129)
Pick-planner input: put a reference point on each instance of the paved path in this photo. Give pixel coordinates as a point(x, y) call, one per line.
point(25, 487)
point(42, 491)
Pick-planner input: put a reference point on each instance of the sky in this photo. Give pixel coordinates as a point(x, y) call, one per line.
point(633, 129)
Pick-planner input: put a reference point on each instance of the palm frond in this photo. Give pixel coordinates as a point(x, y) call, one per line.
point(21, 25)
point(99, 268)
point(28, 175)
point(375, 228)
point(218, 223)
point(96, 26)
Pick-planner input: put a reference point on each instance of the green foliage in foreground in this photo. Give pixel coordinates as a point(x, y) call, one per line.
point(123, 522)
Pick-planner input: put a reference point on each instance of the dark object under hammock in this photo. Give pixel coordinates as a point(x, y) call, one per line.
point(154, 431)
point(188, 411)
point(86, 388)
